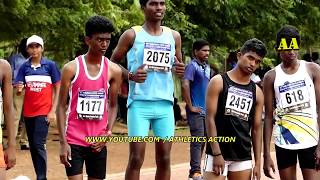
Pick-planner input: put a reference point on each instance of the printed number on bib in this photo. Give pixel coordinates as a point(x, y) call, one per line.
point(157, 56)
point(91, 105)
point(294, 96)
point(239, 103)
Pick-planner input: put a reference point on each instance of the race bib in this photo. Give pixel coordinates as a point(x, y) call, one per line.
point(157, 56)
point(91, 105)
point(239, 103)
point(294, 96)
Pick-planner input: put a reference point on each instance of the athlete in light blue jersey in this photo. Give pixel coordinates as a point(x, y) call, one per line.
point(153, 53)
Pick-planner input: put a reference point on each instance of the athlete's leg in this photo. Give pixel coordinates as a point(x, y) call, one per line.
point(239, 175)
point(139, 115)
point(307, 163)
point(136, 158)
point(75, 172)
point(288, 173)
point(208, 173)
point(286, 161)
point(163, 127)
point(163, 150)
point(96, 164)
point(240, 170)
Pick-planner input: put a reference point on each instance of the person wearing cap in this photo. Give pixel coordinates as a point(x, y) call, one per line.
point(41, 79)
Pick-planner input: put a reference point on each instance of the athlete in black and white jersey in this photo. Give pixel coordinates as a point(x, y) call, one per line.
point(234, 107)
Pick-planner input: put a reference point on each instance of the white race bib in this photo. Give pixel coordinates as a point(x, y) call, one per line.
point(294, 96)
point(91, 104)
point(239, 102)
point(157, 56)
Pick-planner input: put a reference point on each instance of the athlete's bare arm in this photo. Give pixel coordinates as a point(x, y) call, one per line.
point(67, 75)
point(256, 132)
point(214, 88)
point(314, 69)
point(179, 65)
point(52, 114)
point(10, 156)
point(115, 81)
point(124, 44)
point(269, 98)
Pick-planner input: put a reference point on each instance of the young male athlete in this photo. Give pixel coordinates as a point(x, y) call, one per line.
point(153, 51)
point(234, 107)
point(90, 80)
point(292, 92)
point(7, 157)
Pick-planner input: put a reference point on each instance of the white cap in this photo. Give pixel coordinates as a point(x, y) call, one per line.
point(35, 39)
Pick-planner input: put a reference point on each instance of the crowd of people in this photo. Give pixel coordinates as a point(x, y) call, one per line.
point(83, 99)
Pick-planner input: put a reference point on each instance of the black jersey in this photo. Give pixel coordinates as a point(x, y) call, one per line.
point(234, 117)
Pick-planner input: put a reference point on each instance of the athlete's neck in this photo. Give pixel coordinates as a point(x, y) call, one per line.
point(239, 76)
point(92, 58)
point(153, 28)
point(290, 64)
point(35, 60)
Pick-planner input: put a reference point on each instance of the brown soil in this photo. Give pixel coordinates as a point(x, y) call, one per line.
point(117, 156)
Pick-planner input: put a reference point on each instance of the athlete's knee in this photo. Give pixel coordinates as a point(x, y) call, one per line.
point(136, 161)
point(163, 160)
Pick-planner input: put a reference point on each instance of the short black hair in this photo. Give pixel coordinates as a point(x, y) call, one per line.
point(22, 48)
point(98, 24)
point(198, 44)
point(254, 45)
point(143, 3)
point(288, 32)
point(315, 56)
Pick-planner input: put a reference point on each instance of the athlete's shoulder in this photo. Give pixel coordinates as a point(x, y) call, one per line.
point(270, 75)
point(70, 67)
point(216, 80)
point(114, 67)
point(4, 63)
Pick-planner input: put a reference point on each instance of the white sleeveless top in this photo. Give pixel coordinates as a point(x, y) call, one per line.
point(296, 124)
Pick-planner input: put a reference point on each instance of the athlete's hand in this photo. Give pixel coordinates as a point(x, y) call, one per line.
point(268, 165)
point(97, 146)
point(218, 165)
point(51, 117)
point(65, 154)
point(178, 68)
point(10, 157)
point(140, 75)
point(256, 174)
point(317, 158)
point(195, 109)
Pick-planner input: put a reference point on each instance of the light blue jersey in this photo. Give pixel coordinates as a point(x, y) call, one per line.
point(158, 52)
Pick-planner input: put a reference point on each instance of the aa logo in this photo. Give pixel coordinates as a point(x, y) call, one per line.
point(283, 44)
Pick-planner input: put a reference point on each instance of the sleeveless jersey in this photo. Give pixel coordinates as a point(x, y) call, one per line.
point(234, 118)
point(157, 52)
point(87, 113)
point(296, 124)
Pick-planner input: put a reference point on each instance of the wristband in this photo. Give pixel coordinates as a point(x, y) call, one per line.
point(219, 154)
point(130, 76)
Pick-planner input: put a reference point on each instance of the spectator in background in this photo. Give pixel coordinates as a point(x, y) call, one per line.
point(15, 62)
point(194, 86)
